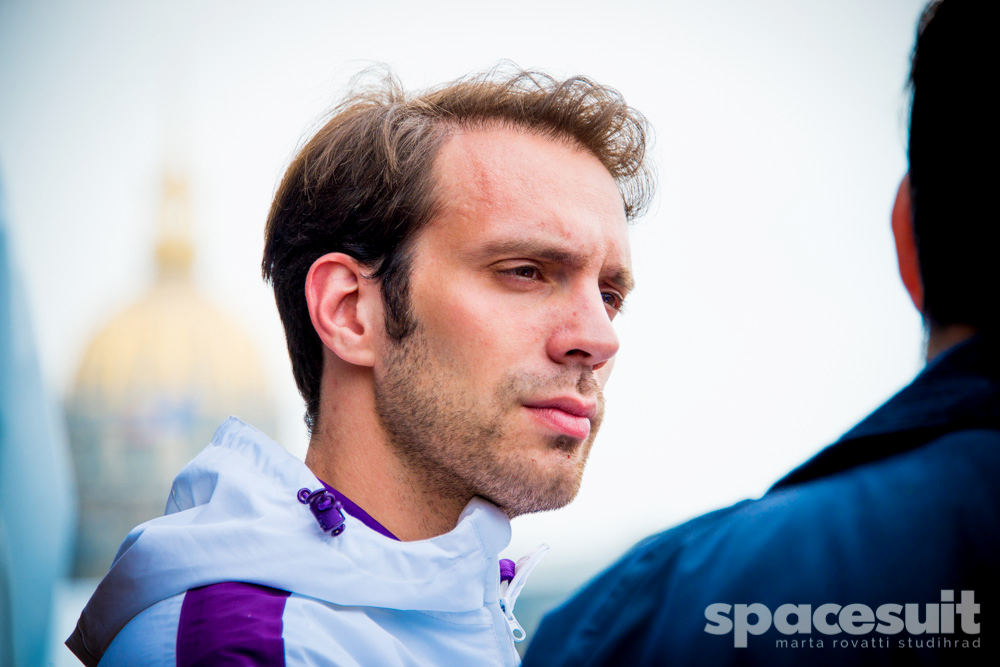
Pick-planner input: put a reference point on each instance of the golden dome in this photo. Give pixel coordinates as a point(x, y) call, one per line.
point(172, 341)
point(152, 387)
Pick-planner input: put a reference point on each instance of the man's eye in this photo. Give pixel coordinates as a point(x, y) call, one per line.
point(613, 300)
point(526, 272)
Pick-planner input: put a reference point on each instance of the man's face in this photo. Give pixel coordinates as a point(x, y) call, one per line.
point(497, 393)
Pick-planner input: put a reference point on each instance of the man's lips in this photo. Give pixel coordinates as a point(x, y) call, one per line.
point(569, 416)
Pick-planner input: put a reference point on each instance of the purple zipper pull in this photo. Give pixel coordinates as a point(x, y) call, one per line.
point(326, 508)
point(506, 569)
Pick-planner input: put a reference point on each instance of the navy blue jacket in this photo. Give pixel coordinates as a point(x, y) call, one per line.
point(903, 510)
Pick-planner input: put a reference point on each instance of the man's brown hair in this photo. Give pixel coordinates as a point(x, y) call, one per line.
point(363, 185)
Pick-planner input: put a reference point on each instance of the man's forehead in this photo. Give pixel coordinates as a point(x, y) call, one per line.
point(490, 161)
point(503, 191)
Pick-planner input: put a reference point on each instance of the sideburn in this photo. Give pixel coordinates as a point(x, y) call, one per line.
point(395, 288)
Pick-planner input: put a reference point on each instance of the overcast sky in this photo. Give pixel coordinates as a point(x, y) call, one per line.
point(768, 316)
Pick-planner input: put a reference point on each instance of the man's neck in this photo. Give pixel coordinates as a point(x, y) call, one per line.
point(943, 337)
point(349, 451)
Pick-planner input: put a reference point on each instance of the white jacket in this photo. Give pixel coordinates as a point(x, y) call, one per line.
point(357, 598)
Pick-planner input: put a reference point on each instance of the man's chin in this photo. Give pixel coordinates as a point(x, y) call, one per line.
point(545, 504)
point(543, 491)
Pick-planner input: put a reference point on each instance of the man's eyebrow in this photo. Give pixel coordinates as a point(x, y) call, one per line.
point(623, 279)
point(620, 277)
point(530, 248)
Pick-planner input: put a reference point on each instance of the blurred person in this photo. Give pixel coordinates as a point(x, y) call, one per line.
point(447, 266)
point(884, 548)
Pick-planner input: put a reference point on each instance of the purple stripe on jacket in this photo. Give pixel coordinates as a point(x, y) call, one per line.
point(231, 624)
point(364, 517)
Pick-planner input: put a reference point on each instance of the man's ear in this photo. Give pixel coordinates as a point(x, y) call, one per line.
point(344, 307)
point(906, 244)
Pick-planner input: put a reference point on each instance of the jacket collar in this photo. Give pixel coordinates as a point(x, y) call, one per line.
point(959, 389)
point(233, 515)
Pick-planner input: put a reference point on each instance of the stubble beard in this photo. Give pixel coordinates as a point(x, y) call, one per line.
point(459, 445)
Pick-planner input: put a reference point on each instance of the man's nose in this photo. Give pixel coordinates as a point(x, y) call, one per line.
point(583, 334)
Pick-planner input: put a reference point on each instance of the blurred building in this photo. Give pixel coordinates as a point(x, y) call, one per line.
point(36, 489)
point(152, 387)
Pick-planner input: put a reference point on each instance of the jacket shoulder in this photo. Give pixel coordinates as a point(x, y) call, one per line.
point(150, 638)
point(585, 629)
point(898, 530)
point(223, 624)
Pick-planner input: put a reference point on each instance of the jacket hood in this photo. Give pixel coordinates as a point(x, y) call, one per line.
point(233, 515)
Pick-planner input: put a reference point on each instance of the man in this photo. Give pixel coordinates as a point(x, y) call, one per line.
point(447, 267)
point(884, 548)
